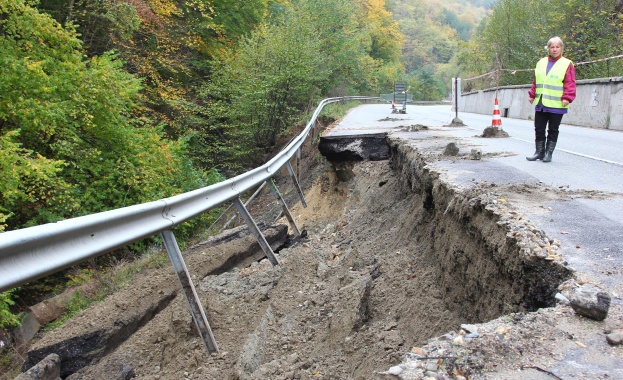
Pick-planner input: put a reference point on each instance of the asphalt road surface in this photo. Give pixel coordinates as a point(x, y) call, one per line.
point(587, 164)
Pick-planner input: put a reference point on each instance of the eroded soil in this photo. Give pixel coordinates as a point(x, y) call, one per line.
point(388, 267)
point(346, 302)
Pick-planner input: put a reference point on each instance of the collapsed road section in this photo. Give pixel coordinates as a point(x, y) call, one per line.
point(372, 147)
point(394, 255)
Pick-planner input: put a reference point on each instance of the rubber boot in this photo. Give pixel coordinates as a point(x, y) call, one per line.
point(540, 151)
point(549, 150)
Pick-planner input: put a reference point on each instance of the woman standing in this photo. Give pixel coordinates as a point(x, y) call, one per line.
point(553, 88)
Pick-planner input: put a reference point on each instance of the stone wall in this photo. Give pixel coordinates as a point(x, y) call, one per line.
point(599, 103)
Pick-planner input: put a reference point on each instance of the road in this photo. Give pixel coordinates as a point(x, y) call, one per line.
point(587, 167)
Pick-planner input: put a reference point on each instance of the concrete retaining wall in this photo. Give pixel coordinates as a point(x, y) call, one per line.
point(599, 103)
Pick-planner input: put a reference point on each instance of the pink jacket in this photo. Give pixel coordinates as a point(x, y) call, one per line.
point(568, 82)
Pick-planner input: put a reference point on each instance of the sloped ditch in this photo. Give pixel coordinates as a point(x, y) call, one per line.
point(393, 256)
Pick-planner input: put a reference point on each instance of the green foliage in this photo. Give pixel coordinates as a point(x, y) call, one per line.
point(591, 30)
point(69, 144)
point(309, 49)
point(426, 86)
point(277, 75)
point(8, 319)
point(336, 111)
point(382, 30)
point(340, 37)
point(124, 19)
point(463, 28)
point(169, 45)
point(30, 181)
point(433, 32)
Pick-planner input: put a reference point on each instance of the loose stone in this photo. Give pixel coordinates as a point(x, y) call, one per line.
point(591, 302)
point(615, 338)
point(395, 370)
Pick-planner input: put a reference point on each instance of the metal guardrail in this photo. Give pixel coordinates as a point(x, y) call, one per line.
point(399, 98)
point(31, 253)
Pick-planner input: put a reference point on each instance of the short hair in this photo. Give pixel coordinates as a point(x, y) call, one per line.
point(556, 40)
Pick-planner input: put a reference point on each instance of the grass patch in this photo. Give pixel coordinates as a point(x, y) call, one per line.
point(336, 111)
point(107, 282)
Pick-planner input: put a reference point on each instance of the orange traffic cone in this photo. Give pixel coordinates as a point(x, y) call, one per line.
point(497, 120)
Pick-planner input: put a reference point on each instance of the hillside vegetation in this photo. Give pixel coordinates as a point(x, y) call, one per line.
point(515, 35)
point(109, 103)
point(504, 38)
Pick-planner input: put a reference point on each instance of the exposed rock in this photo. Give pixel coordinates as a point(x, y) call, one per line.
point(352, 307)
point(475, 154)
point(47, 369)
point(343, 170)
point(451, 150)
point(469, 328)
point(50, 309)
point(615, 338)
point(591, 302)
point(395, 370)
point(28, 329)
point(478, 249)
point(323, 270)
point(561, 299)
point(252, 354)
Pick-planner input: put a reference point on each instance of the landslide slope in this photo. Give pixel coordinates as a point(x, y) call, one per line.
point(392, 259)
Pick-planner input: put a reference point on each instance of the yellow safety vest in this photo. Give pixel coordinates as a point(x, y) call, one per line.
point(549, 86)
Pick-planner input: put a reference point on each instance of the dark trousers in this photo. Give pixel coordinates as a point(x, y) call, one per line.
point(549, 120)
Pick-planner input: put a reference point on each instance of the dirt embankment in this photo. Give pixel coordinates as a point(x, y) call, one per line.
point(392, 257)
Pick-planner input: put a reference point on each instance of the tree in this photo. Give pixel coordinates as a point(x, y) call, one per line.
point(310, 48)
point(592, 30)
point(270, 78)
point(515, 34)
point(69, 144)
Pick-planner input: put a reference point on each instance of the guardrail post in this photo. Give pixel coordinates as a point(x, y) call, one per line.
point(256, 231)
point(259, 189)
point(284, 206)
point(196, 310)
point(298, 163)
point(296, 184)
